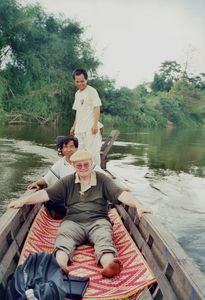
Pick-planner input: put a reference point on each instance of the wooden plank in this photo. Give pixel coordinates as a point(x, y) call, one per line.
point(106, 147)
point(162, 280)
point(145, 295)
point(109, 142)
point(182, 285)
point(11, 216)
point(158, 272)
point(189, 277)
point(19, 238)
point(186, 276)
point(187, 271)
point(5, 222)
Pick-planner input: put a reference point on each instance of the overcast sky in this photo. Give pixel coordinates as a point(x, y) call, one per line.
point(133, 37)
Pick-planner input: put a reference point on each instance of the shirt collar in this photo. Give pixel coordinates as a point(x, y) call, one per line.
point(65, 161)
point(93, 181)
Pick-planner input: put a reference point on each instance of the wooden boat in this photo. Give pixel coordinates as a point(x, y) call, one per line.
point(177, 277)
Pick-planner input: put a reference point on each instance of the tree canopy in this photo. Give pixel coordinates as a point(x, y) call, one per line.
point(40, 53)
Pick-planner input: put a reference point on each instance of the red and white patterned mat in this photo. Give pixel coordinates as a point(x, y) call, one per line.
point(135, 276)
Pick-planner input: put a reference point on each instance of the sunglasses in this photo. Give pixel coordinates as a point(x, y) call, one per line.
point(80, 166)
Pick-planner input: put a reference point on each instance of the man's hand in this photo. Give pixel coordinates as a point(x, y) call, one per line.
point(127, 198)
point(94, 129)
point(38, 197)
point(34, 185)
point(141, 209)
point(101, 130)
point(126, 189)
point(16, 204)
point(72, 131)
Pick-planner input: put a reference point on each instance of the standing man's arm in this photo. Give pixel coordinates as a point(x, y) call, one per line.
point(128, 199)
point(72, 130)
point(38, 197)
point(96, 119)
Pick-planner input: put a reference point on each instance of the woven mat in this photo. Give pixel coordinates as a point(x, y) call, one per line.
point(135, 276)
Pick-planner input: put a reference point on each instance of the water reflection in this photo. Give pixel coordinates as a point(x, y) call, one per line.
point(162, 149)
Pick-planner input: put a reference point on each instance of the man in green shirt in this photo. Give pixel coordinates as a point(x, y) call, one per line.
point(86, 194)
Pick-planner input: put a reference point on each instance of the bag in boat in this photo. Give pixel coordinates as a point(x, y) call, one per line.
point(40, 277)
point(56, 209)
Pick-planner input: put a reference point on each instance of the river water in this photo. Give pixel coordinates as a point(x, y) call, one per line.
point(164, 168)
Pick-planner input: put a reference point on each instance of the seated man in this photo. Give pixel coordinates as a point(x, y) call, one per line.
point(68, 146)
point(86, 194)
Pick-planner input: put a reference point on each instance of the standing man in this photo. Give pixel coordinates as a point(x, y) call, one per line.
point(86, 194)
point(86, 126)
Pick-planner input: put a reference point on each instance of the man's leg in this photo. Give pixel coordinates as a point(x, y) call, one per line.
point(81, 141)
point(62, 259)
point(69, 236)
point(93, 143)
point(112, 266)
point(100, 233)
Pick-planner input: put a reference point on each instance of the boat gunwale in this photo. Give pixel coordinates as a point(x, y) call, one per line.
point(161, 249)
point(14, 227)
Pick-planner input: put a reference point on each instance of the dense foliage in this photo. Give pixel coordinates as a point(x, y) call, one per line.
point(41, 52)
point(38, 53)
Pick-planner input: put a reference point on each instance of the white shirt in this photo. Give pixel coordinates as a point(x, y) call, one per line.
point(61, 168)
point(84, 104)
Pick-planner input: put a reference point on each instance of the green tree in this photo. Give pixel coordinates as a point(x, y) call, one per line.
point(140, 91)
point(169, 72)
point(175, 110)
point(122, 103)
point(44, 52)
point(198, 81)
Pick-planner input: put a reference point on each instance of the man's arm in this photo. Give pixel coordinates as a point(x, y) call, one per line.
point(96, 119)
point(128, 199)
point(50, 178)
point(38, 197)
point(72, 130)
